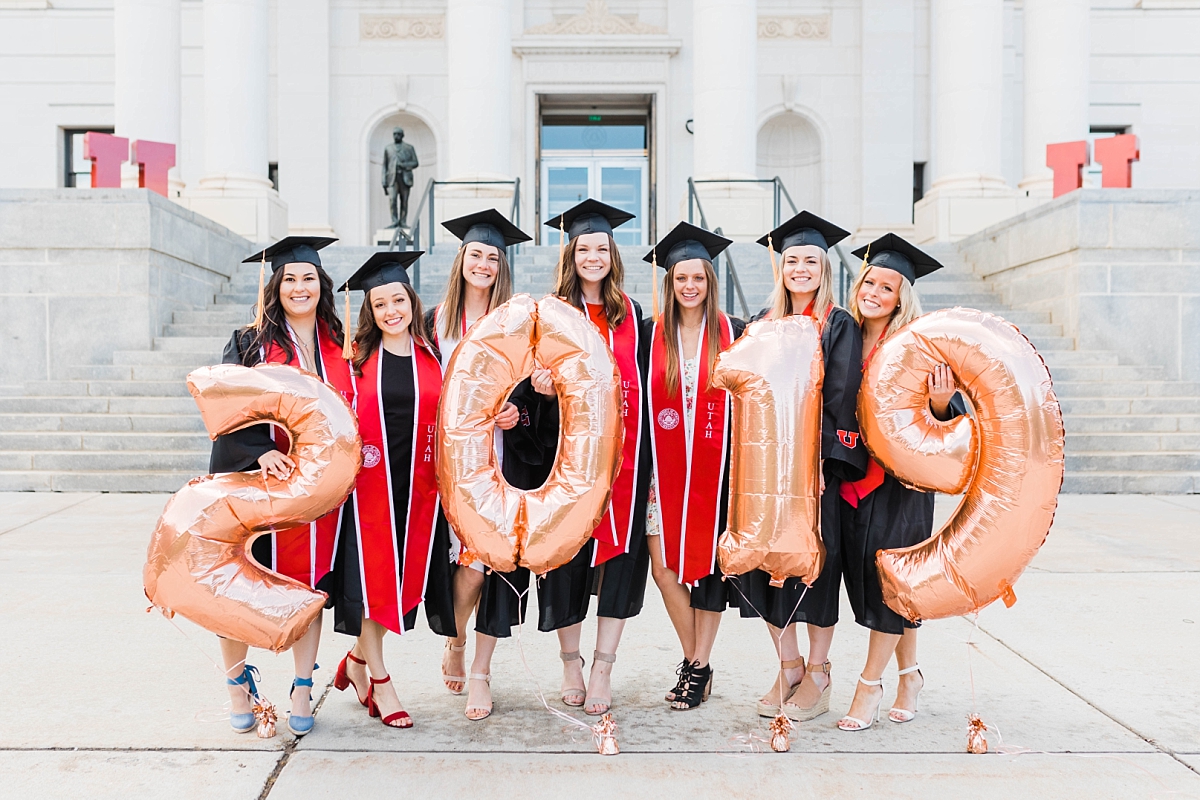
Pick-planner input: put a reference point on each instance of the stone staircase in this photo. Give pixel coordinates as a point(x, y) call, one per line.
point(131, 425)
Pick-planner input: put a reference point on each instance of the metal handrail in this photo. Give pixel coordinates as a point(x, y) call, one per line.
point(412, 239)
point(733, 282)
point(845, 276)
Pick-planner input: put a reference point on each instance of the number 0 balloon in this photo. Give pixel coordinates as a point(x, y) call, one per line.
point(198, 562)
point(1007, 460)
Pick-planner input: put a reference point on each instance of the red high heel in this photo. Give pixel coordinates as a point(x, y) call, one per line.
point(342, 679)
point(400, 716)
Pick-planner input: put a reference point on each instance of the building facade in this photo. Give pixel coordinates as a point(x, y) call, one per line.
point(928, 117)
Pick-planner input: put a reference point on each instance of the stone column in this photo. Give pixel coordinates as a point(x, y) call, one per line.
point(479, 62)
point(725, 115)
point(146, 77)
point(235, 190)
point(303, 104)
point(479, 123)
point(1057, 48)
point(968, 191)
point(887, 117)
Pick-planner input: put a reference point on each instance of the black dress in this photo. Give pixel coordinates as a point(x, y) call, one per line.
point(399, 402)
point(527, 465)
point(711, 593)
point(564, 594)
point(844, 457)
point(891, 516)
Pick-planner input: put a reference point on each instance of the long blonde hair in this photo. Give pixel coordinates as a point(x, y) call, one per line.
point(452, 305)
point(907, 308)
point(781, 298)
point(567, 285)
point(670, 323)
point(368, 336)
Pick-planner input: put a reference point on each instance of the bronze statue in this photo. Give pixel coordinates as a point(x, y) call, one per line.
point(399, 160)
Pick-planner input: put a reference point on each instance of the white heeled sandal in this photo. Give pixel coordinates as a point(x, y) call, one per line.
point(899, 715)
point(849, 723)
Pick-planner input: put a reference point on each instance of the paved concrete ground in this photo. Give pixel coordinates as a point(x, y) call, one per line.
point(1090, 679)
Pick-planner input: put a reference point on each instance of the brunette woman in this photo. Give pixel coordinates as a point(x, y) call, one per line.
point(614, 563)
point(296, 325)
point(689, 432)
point(804, 285)
point(394, 523)
point(880, 513)
point(481, 280)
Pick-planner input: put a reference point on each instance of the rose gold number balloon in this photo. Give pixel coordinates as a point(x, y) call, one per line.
point(543, 528)
point(198, 563)
point(774, 373)
point(1008, 458)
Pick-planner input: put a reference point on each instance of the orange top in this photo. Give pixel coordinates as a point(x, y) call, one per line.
point(599, 318)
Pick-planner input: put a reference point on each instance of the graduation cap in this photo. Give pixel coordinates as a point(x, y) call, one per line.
point(590, 216)
point(381, 269)
point(486, 227)
point(686, 241)
point(892, 252)
point(804, 228)
point(292, 250)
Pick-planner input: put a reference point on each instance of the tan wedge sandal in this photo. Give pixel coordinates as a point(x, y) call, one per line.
point(766, 709)
point(798, 713)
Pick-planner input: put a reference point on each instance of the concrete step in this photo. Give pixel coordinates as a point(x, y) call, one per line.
point(128, 372)
point(157, 423)
point(1130, 405)
point(1133, 462)
point(1126, 388)
point(214, 316)
point(127, 388)
point(1131, 482)
point(73, 441)
point(199, 329)
point(1131, 442)
point(167, 358)
point(192, 344)
point(93, 481)
point(1046, 343)
point(194, 462)
point(1071, 358)
point(1105, 373)
point(1131, 423)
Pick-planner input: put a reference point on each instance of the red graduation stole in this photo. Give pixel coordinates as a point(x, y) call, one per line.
point(689, 499)
point(612, 534)
point(392, 586)
point(306, 553)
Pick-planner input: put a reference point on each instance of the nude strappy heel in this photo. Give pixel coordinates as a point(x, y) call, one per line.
point(766, 709)
point(899, 715)
point(448, 679)
point(486, 678)
point(574, 691)
point(598, 708)
point(849, 723)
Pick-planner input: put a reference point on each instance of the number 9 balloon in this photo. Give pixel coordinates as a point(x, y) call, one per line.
point(198, 562)
point(1007, 459)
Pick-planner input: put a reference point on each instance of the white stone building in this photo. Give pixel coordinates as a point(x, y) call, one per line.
point(860, 106)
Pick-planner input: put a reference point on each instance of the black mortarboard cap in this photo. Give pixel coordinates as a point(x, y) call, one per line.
point(381, 269)
point(292, 250)
point(590, 216)
point(805, 228)
point(892, 252)
point(686, 241)
point(486, 227)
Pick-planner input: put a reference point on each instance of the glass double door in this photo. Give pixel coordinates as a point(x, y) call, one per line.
point(620, 181)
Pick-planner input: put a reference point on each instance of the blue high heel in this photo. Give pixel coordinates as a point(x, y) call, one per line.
point(244, 723)
point(302, 725)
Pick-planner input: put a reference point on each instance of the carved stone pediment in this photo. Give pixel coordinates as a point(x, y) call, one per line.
point(813, 26)
point(401, 26)
point(596, 20)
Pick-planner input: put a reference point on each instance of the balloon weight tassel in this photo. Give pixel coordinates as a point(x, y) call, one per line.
point(781, 727)
point(976, 741)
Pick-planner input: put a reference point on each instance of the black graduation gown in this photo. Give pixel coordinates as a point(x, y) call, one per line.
point(527, 465)
point(845, 458)
point(564, 594)
point(892, 516)
point(711, 593)
point(398, 408)
point(239, 451)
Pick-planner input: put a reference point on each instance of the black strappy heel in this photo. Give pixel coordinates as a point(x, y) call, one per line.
point(699, 686)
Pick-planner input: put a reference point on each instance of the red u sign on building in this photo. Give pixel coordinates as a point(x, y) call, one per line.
point(107, 153)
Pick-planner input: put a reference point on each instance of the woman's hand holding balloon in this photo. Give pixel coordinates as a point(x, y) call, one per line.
point(276, 464)
point(508, 417)
point(942, 387)
point(542, 382)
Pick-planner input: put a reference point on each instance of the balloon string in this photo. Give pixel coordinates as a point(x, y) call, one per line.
point(541, 696)
point(778, 639)
point(232, 672)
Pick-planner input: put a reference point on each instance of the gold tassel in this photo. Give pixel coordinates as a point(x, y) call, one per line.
point(654, 283)
point(347, 353)
point(771, 250)
point(866, 257)
point(258, 309)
